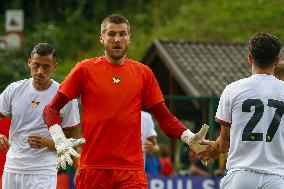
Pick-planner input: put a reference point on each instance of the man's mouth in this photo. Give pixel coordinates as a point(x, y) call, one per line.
point(38, 78)
point(117, 47)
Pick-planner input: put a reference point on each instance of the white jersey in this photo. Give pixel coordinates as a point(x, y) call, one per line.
point(147, 127)
point(26, 104)
point(254, 107)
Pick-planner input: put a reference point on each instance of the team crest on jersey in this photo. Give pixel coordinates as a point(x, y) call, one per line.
point(35, 104)
point(116, 80)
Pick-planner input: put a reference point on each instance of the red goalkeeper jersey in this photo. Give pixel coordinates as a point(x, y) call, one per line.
point(4, 130)
point(112, 97)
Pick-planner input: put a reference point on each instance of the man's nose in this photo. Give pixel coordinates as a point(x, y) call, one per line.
point(40, 69)
point(117, 38)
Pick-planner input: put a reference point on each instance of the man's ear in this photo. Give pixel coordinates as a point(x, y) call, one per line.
point(55, 66)
point(129, 39)
point(101, 39)
point(277, 61)
point(250, 59)
point(29, 62)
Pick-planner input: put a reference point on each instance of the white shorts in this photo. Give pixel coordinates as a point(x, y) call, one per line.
point(28, 181)
point(241, 179)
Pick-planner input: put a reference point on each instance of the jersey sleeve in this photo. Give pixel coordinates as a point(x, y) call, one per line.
point(224, 110)
point(70, 114)
point(72, 85)
point(152, 93)
point(6, 100)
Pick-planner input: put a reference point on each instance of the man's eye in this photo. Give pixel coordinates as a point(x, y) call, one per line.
point(46, 67)
point(123, 34)
point(35, 65)
point(111, 34)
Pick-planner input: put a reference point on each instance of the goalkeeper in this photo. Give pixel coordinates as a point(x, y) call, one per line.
point(113, 89)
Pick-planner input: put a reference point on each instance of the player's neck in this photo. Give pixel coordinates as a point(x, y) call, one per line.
point(261, 71)
point(257, 70)
point(115, 61)
point(42, 86)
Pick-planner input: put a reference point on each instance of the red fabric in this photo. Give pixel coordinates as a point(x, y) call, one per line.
point(167, 166)
point(51, 112)
point(108, 178)
point(62, 181)
point(4, 130)
point(112, 97)
point(168, 123)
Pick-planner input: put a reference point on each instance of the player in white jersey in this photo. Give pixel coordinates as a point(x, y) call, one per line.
point(30, 162)
point(251, 112)
point(149, 135)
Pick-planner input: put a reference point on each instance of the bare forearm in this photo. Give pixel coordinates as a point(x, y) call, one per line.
point(222, 143)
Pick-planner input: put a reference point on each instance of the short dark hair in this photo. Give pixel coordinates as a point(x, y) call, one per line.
point(116, 19)
point(44, 49)
point(264, 49)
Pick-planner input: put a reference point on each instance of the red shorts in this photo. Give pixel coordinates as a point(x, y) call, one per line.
point(111, 179)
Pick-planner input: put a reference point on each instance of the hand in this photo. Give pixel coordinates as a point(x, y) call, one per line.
point(208, 155)
point(64, 146)
point(222, 145)
point(193, 140)
point(39, 141)
point(150, 148)
point(4, 144)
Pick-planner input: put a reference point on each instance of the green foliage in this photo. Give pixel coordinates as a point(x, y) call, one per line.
point(13, 67)
point(73, 26)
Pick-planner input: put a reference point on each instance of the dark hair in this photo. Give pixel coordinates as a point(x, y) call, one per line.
point(44, 49)
point(116, 19)
point(264, 49)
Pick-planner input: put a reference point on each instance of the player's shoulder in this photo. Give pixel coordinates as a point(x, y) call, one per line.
point(18, 86)
point(88, 61)
point(20, 83)
point(136, 63)
point(239, 83)
point(55, 84)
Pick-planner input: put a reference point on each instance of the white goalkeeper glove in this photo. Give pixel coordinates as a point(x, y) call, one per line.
point(193, 140)
point(64, 146)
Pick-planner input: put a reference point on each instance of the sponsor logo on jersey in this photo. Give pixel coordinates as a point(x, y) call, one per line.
point(116, 80)
point(35, 104)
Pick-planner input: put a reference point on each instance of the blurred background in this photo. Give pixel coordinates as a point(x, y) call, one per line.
point(194, 47)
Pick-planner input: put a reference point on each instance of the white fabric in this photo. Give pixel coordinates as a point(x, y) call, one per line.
point(252, 180)
point(28, 181)
point(26, 104)
point(64, 146)
point(147, 128)
point(187, 136)
point(261, 156)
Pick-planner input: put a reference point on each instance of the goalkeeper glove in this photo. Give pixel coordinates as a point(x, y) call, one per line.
point(64, 146)
point(193, 140)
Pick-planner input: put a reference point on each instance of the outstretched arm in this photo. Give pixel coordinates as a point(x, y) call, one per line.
point(221, 145)
point(174, 128)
